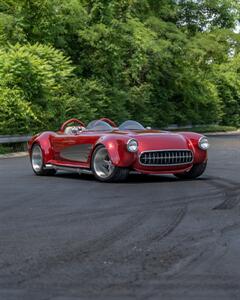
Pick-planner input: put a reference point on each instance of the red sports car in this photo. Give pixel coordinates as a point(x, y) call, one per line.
point(110, 152)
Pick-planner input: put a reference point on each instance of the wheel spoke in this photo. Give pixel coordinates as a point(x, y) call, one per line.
point(102, 164)
point(37, 160)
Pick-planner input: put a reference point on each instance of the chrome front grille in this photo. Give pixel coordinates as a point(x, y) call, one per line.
point(166, 157)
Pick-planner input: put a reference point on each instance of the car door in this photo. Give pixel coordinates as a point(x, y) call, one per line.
point(73, 149)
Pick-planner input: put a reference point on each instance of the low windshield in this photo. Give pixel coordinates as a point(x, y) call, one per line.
point(98, 125)
point(131, 125)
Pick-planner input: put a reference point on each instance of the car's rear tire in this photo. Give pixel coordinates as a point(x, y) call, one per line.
point(196, 171)
point(37, 162)
point(103, 169)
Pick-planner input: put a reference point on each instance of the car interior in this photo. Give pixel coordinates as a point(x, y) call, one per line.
point(103, 124)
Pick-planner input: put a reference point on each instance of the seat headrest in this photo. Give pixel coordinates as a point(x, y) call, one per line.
point(73, 130)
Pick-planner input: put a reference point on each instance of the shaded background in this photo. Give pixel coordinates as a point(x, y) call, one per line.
point(160, 62)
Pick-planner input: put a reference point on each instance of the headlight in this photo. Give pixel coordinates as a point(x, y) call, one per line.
point(132, 145)
point(203, 143)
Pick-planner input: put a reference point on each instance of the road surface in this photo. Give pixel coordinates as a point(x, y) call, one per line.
point(69, 237)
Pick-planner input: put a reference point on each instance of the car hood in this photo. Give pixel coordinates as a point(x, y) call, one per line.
point(160, 141)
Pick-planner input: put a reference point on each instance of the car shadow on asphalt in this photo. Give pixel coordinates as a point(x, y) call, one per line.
point(132, 178)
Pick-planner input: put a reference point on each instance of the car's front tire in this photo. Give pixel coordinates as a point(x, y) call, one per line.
point(37, 162)
point(103, 169)
point(196, 171)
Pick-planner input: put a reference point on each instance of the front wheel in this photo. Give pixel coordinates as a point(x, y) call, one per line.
point(196, 171)
point(103, 168)
point(38, 163)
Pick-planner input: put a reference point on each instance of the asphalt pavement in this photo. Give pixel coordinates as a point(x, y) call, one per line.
point(70, 237)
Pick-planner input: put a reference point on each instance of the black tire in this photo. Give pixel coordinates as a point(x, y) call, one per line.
point(39, 167)
point(115, 175)
point(196, 171)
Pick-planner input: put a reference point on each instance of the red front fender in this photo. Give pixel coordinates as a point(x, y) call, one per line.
point(199, 154)
point(117, 150)
point(44, 141)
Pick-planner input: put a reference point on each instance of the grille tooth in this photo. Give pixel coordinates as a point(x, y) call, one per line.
point(166, 157)
point(145, 158)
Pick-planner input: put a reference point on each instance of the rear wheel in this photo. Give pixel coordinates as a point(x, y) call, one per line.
point(196, 171)
point(103, 168)
point(38, 163)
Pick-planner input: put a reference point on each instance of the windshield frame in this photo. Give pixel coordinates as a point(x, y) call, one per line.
point(99, 125)
point(129, 125)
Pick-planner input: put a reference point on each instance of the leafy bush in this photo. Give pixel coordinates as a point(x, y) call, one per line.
point(16, 114)
point(227, 79)
point(159, 62)
point(33, 87)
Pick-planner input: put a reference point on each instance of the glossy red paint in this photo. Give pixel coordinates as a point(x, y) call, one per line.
point(57, 147)
point(193, 138)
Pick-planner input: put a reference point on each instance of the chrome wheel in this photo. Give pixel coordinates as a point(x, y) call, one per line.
point(102, 164)
point(37, 159)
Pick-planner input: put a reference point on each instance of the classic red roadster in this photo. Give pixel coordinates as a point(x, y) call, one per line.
point(110, 152)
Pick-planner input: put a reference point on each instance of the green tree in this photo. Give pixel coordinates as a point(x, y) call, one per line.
point(154, 61)
point(35, 75)
point(227, 80)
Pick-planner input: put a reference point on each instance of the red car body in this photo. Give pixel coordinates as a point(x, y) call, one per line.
point(75, 151)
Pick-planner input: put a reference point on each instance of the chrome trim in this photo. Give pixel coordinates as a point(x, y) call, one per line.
point(102, 163)
point(199, 141)
point(165, 165)
point(37, 158)
point(85, 171)
point(128, 145)
point(48, 167)
point(72, 169)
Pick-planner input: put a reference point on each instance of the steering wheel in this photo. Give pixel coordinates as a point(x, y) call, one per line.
point(110, 122)
point(74, 120)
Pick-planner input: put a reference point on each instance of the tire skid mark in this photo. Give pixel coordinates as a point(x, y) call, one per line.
point(229, 228)
point(202, 254)
point(231, 194)
point(111, 212)
point(212, 281)
point(224, 181)
point(197, 259)
point(93, 247)
point(189, 264)
point(81, 252)
point(147, 242)
point(152, 205)
point(231, 201)
point(170, 227)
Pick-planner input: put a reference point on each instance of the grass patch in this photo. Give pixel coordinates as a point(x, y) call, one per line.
point(11, 148)
point(5, 149)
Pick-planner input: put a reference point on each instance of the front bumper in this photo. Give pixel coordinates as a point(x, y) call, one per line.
point(161, 169)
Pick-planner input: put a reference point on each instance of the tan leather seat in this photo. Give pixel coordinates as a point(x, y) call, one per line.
point(70, 130)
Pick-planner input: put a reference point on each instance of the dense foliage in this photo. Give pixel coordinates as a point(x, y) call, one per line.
point(159, 62)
